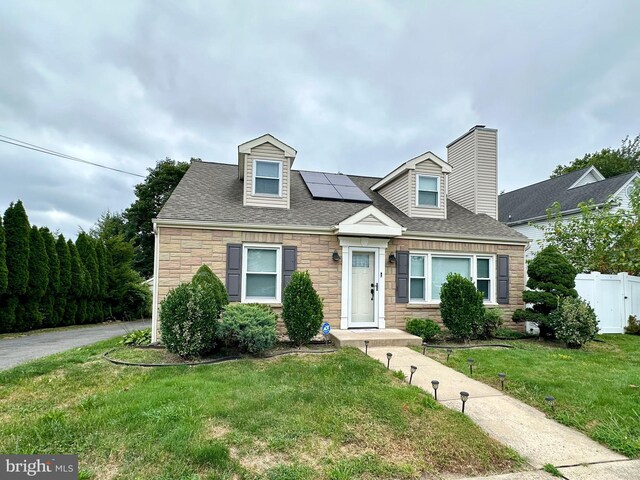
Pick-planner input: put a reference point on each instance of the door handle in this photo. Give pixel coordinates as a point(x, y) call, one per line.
point(372, 293)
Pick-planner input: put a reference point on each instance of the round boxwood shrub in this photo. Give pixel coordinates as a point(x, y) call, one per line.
point(188, 320)
point(574, 322)
point(424, 328)
point(205, 277)
point(301, 309)
point(461, 307)
point(248, 327)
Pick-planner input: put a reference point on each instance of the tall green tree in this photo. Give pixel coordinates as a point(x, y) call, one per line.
point(62, 249)
point(16, 229)
point(151, 196)
point(610, 162)
point(101, 258)
point(76, 286)
point(38, 280)
point(87, 253)
point(4, 274)
point(48, 302)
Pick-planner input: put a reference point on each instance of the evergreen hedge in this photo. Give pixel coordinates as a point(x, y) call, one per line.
point(301, 309)
point(4, 275)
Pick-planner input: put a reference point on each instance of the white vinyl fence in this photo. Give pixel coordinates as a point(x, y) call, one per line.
point(613, 297)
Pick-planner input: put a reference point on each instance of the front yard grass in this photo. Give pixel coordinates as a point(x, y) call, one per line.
point(596, 389)
point(332, 416)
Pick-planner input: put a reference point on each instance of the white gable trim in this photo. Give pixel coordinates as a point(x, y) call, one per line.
point(411, 165)
point(267, 138)
point(353, 225)
point(591, 171)
point(623, 188)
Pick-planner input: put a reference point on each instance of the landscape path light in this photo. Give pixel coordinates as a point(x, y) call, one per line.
point(449, 352)
point(389, 355)
point(551, 401)
point(424, 347)
point(502, 377)
point(366, 347)
point(413, 370)
point(470, 361)
point(435, 384)
point(464, 396)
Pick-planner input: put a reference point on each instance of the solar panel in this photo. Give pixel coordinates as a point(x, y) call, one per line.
point(331, 186)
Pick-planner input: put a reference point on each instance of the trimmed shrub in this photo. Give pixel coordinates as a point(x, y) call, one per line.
point(634, 326)
point(424, 328)
point(461, 307)
point(574, 322)
point(188, 321)
point(301, 309)
point(551, 278)
point(205, 276)
point(248, 327)
point(491, 322)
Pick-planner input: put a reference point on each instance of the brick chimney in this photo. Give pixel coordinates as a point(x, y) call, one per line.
point(473, 181)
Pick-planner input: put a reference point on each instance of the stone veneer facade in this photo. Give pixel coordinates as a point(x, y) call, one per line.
point(183, 250)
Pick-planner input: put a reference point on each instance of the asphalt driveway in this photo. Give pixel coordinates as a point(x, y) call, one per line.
point(17, 350)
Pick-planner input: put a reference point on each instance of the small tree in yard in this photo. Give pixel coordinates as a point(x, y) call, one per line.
point(461, 307)
point(574, 322)
point(205, 277)
point(301, 309)
point(551, 279)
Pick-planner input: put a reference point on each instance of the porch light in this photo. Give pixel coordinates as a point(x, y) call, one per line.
point(464, 396)
point(470, 361)
point(335, 256)
point(392, 258)
point(366, 347)
point(435, 384)
point(413, 370)
point(389, 355)
point(449, 352)
point(502, 377)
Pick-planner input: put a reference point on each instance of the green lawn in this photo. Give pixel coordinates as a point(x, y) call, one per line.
point(334, 416)
point(597, 388)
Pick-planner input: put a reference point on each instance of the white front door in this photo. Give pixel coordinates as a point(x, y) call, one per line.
point(364, 289)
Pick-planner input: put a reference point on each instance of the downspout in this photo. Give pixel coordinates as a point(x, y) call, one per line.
point(156, 281)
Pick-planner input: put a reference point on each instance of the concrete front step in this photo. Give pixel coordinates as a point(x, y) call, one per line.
point(388, 337)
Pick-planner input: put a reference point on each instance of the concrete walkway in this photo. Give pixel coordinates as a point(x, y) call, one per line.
point(26, 347)
point(528, 431)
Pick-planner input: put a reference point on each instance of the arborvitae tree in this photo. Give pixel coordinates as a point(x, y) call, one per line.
point(38, 280)
point(87, 252)
point(4, 277)
point(551, 279)
point(47, 305)
point(62, 249)
point(16, 230)
point(101, 257)
point(76, 288)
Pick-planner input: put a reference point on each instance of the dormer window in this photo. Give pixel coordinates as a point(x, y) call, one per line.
point(267, 178)
point(428, 191)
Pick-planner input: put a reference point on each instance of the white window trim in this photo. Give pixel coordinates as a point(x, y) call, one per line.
point(255, 175)
point(263, 246)
point(474, 274)
point(437, 205)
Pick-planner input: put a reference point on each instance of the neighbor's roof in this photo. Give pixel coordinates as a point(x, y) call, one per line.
point(212, 193)
point(532, 202)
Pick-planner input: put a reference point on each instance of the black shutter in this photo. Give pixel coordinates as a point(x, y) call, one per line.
point(289, 262)
point(503, 279)
point(234, 272)
point(402, 277)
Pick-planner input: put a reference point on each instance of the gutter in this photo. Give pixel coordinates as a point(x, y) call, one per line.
point(563, 213)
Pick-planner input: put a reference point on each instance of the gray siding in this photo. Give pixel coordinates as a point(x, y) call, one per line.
point(268, 152)
point(428, 168)
point(398, 193)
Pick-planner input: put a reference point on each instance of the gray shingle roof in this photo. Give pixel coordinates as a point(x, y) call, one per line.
point(532, 201)
point(212, 192)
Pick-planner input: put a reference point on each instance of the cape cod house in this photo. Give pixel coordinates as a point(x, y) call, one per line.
point(377, 249)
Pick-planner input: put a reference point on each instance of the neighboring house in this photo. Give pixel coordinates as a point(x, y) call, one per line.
point(378, 249)
point(525, 209)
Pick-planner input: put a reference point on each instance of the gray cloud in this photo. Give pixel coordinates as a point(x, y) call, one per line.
point(357, 87)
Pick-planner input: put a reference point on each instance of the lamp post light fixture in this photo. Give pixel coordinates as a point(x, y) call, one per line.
point(551, 401)
point(449, 352)
point(464, 396)
point(435, 384)
point(389, 355)
point(502, 377)
point(413, 370)
point(366, 347)
point(470, 361)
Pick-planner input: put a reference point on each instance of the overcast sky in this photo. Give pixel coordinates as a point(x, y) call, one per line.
point(358, 87)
